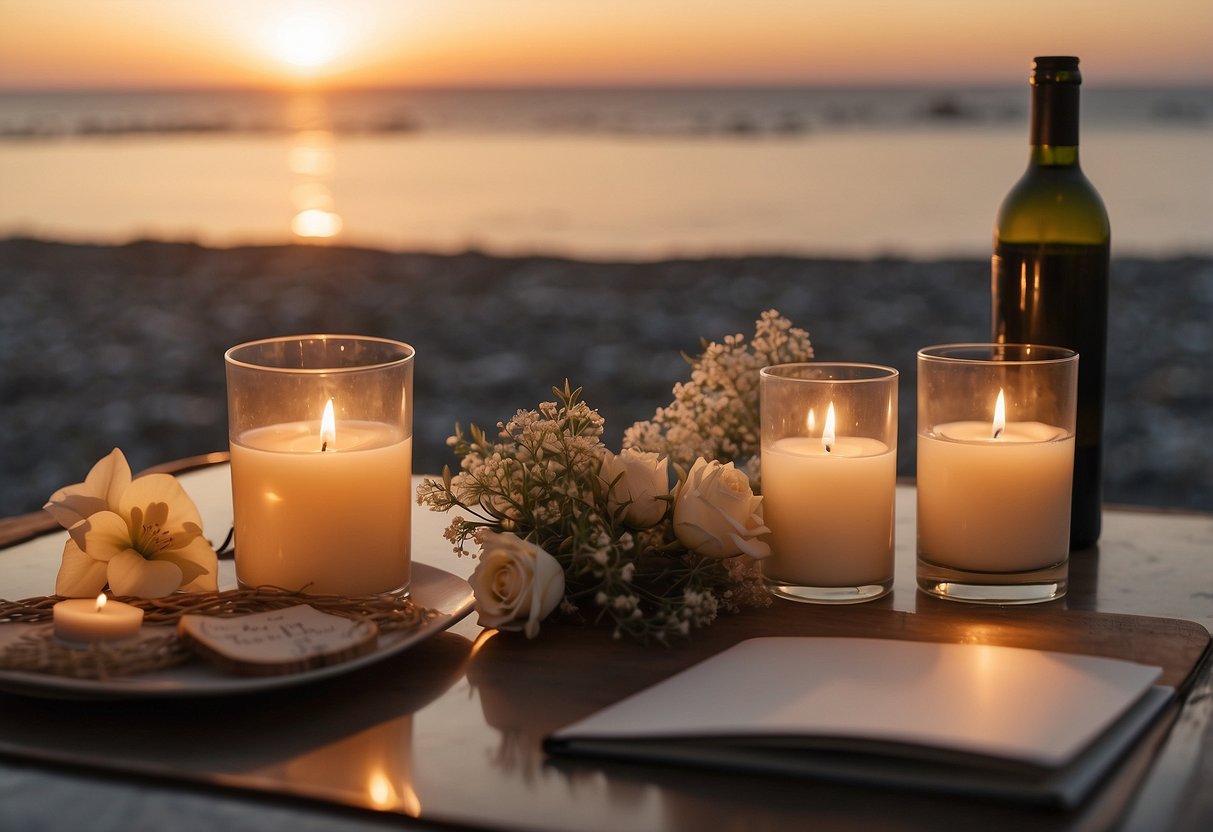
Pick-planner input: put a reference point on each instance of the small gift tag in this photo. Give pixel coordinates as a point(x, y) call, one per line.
point(279, 642)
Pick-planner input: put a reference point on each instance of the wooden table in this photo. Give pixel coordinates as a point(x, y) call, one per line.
point(447, 734)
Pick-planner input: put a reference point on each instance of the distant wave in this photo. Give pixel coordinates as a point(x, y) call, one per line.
point(730, 113)
point(93, 127)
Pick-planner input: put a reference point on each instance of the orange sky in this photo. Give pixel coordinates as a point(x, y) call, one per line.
point(89, 44)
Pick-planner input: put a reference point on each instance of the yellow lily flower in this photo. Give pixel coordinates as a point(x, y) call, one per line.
point(143, 537)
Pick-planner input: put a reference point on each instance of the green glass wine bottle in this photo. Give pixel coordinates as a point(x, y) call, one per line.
point(1050, 270)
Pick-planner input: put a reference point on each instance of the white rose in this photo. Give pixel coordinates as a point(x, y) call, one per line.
point(717, 515)
point(516, 584)
point(643, 478)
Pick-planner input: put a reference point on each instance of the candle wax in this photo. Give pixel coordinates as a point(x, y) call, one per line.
point(830, 514)
point(78, 619)
point(325, 522)
point(994, 505)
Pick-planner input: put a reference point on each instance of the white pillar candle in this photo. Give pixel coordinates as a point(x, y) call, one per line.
point(990, 504)
point(830, 513)
point(96, 619)
point(332, 521)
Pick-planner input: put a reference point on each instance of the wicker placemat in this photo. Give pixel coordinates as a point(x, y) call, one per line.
point(38, 651)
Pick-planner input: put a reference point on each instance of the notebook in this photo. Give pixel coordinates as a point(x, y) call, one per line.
point(963, 718)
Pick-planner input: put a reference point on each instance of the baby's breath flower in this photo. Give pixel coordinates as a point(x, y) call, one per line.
point(714, 414)
point(625, 603)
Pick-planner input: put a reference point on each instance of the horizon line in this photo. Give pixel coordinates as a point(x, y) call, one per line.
point(630, 86)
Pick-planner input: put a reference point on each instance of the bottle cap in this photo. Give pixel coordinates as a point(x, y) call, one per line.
point(1055, 69)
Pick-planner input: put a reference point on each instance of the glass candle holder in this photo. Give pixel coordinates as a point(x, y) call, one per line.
point(321, 429)
point(995, 469)
point(829, 471)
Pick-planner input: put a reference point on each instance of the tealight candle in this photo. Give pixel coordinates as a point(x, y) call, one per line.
point(994, 493)
point(322, 505)
point(96, 619)
point(828, 493)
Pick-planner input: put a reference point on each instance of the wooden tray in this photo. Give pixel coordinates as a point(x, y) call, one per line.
point(527, 689)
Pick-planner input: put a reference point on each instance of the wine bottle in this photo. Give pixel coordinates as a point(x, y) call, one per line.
point(1050, 270)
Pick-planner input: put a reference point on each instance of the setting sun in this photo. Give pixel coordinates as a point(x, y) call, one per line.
point(69, 44)
point(308, 40)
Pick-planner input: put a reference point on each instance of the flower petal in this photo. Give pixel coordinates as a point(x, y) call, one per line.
point(80, 575)
point(701, 541)
point(101, 490)
point(109, 478)
point(130, 574)
point(742, 528)
point(755, 548)
point(69, 508)
point(198, 563)
point(78, 532)
point(547, 588)
point(180, 538)
point(105, 535)
point(150, 489)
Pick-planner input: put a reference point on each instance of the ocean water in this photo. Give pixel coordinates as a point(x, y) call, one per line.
point(637, 174)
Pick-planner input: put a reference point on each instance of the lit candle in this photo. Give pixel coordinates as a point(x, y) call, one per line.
point(994, 496)
point(320, 429)
point(829, 502)
point(96, 619)
point(323, 508)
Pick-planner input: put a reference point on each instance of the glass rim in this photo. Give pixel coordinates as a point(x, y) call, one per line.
point(1048, 354)
point(878, 372)
point(407, 350)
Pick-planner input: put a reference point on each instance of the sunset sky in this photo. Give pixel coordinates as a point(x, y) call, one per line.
point(132, 44)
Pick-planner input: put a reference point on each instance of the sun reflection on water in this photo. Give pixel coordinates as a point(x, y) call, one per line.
point(315, 223)
point(312, 153)
point(312, 161)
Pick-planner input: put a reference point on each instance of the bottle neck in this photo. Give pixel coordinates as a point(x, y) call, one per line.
point(1054, 130)
point(1051, 156)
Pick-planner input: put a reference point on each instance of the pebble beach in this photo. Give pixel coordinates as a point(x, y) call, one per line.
point(122, 346)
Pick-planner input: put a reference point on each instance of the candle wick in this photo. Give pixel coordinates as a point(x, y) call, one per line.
point(997, 432)
point(828, 449)
point(324, 446)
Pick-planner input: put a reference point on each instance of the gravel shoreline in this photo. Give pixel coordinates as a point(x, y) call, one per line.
point(123, 346)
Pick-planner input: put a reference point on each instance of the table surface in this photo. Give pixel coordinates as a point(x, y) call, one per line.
point(447, 735)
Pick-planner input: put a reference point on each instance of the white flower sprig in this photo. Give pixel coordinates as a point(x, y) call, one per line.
point(546, 487)
point(714, 414)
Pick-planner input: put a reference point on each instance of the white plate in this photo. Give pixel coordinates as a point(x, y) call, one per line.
point(431, 587)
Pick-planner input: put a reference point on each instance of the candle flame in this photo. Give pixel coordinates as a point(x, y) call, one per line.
point(101, 599)
point(1000, 415)
point(381, 792)
point(827, 434)
point(328, 427)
